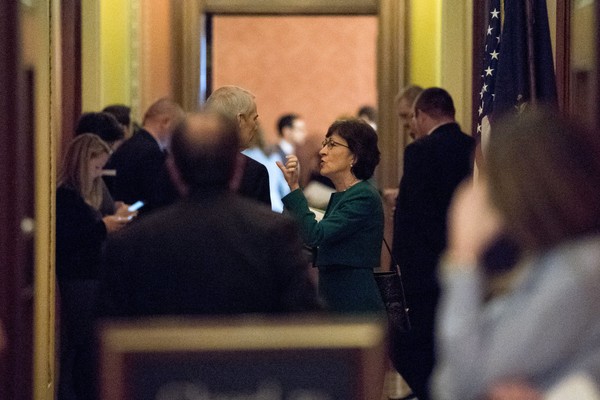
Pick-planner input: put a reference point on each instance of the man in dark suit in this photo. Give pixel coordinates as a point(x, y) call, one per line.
point(251, 178)
point(213, 251)
point(434, 165)
point(139, 163)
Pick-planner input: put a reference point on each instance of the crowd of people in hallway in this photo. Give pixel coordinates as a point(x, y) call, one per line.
point(500, 272)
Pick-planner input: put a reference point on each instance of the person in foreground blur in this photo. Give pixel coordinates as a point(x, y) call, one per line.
point(212, 252)
point(80, 233)
point(140, 162)
point(348, 239)
point(251, 178)
point(535, 324)
point(434, 166)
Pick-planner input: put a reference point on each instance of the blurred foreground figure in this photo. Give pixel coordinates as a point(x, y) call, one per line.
point(531, 324)
point(213, 251)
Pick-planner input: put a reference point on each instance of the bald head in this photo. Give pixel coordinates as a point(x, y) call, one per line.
point(161, 118)
point(204, 149)
point(162, 107)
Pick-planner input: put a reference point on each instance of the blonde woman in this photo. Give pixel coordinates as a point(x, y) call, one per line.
point(80, 232)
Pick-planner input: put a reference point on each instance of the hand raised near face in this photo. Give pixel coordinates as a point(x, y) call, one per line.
point(291, 171)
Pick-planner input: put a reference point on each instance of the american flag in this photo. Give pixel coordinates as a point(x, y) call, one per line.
point(491, 57)
point(523, 74)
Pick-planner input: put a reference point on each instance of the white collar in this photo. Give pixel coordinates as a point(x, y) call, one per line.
point(286, 146)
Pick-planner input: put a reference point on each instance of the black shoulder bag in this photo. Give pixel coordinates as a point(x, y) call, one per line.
point(392, 292)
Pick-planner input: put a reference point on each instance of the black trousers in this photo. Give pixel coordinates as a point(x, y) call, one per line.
point(78, 304)
point(413, 353)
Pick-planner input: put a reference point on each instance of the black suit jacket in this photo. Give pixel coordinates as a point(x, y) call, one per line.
point(141, 173)
point(214, 253)
point(255, 181)
point(433, 168)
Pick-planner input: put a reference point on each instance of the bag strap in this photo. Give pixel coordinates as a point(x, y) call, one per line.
point(387, 246)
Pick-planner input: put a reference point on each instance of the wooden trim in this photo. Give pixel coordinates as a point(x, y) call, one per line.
point(391, 77)
point(391, 51)
point(189, 25)
point(16, 201)
point(70, 20)
point(187, 28)
point(294, 7)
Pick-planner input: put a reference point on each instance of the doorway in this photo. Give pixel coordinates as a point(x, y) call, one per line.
point(191, 17)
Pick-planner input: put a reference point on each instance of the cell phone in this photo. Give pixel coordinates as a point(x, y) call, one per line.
point(136, 206)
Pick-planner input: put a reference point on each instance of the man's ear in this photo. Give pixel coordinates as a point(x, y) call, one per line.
point(239, 117)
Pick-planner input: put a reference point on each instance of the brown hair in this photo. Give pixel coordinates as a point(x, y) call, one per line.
point(544, 177)
point(435, 102)
point(362, 142)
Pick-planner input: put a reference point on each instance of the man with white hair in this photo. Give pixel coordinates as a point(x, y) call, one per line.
point(251, 178)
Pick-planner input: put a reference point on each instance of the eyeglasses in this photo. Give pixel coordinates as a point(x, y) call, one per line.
point(330, 143)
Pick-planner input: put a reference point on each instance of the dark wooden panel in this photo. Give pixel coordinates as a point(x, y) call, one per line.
point(16, 177)
point(71, 67)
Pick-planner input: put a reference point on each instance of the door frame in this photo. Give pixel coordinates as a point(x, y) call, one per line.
point(188, 23)
point(16, 208)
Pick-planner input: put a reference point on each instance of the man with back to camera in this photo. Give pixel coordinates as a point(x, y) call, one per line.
point(434, 165)
point(140, 162)
point(213, 251)
point(251, 178)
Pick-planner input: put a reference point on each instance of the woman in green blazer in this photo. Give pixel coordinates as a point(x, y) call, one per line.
point(348, 239)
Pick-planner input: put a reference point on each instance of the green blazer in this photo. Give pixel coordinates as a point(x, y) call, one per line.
point(351, 231)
